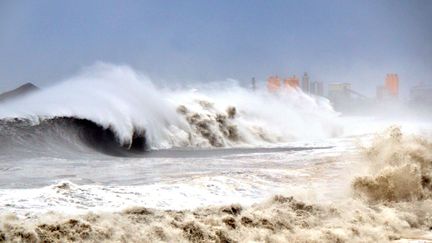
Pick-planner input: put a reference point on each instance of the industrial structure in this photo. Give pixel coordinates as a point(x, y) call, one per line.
point(421, 94)
point(292, 82)
point(305, 83)
point(339, 92)
point(390, 89)
point(392, 84)
point(274, 84)
point(316, 88)
point(344, 98)
point(253, 84)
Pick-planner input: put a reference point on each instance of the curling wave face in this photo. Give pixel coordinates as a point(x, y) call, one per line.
point(115, 110)
point(60, 135)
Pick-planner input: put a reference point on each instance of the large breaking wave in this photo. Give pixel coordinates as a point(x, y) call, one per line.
point(114, 109)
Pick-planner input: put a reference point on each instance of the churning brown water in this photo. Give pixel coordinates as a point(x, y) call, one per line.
point(391, 201)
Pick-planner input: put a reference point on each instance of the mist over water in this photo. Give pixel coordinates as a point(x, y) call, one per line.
point(107, 150)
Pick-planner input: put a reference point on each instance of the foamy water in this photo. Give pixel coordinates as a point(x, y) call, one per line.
point(340, 194)
point(107, 156)
point(170, 183)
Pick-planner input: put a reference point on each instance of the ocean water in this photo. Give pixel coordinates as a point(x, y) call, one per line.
point(106, 151)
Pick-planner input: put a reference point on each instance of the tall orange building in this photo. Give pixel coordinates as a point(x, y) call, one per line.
point(292, 82)
point(273, 83)
point(392, 84)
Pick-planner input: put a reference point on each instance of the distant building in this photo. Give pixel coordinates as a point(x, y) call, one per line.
point(320, 89)
point(273, 84)
point(339, 92)
point(421, 94)
point(292, 82)
point(380, 92)
point(316, 88)
point(390, 89)
point(305, 83)
point(253, 84)
point(392, 85)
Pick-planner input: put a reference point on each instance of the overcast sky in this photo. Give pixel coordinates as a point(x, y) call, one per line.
point(176, 40)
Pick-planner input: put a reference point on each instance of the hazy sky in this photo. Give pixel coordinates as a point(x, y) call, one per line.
point(335, 41)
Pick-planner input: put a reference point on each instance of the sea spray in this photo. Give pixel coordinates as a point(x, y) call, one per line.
point(280, 219)
point(400, 169)
point(128, 105)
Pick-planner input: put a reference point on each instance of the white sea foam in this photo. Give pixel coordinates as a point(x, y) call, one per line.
point(125, 101)
point(392, 201)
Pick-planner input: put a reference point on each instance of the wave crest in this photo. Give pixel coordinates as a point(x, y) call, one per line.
point(127, 103)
